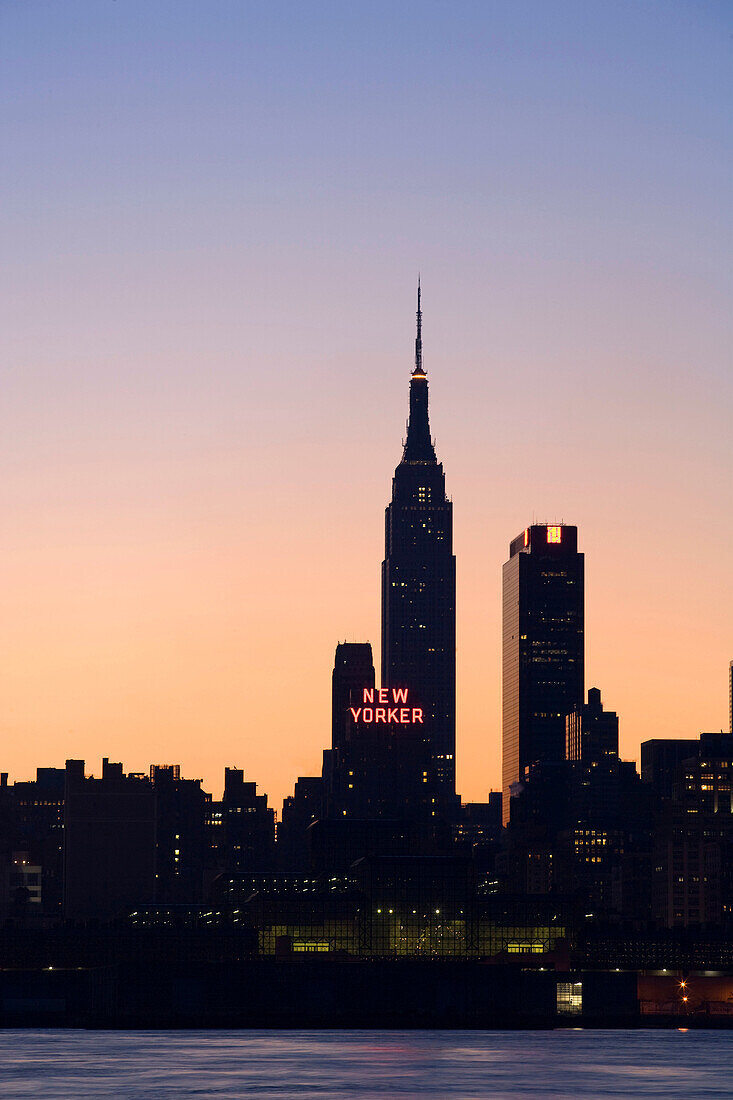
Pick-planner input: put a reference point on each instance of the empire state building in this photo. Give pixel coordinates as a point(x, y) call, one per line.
point(419, 585)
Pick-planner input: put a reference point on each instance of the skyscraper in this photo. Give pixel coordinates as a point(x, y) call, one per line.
point(353, 671)
point(543, 652)
point(419, 585)
point(379, 768)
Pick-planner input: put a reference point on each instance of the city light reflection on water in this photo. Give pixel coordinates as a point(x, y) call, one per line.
point(313, 1065)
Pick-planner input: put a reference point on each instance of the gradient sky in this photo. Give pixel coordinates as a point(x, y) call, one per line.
point(212, 219)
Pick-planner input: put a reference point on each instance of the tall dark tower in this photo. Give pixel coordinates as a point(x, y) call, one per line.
point(353, 671)
point(543, 651)
point(374, 770)
point(419, 585)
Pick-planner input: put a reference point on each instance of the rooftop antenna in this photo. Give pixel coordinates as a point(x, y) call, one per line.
point(418, 341)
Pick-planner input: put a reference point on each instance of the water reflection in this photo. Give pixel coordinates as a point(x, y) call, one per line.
point(313, 1065)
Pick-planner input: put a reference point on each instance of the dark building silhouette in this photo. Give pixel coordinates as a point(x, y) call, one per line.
point(353, 670)
point(109, 842)
point(300, 810)
point(377, 793)
point(334, 845)
point(591, 733)
point(693, 842)
point(480, 822)
point(375, 770)
point(248, 824)
point(660, 762)
point(582, 827)
point(182, 852)
point(543, 651)
point(419, 586)
point(7, 835)
point(383, 773)
point(39, 831)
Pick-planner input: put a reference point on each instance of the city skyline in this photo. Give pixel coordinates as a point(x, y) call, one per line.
point(421, 438)
point(208, 334)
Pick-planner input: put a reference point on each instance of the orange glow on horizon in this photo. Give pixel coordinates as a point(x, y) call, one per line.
point(213, 220)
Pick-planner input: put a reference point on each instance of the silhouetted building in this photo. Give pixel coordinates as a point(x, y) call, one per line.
point(300, 810)
point(582, 826)
point(249, 825)
point(182, 852)
point(480, 822)
point(39, 831)
point(375, 769)
point(543, 651)
point(7, 835)
point(353, 670)
point(215, 838)
point(383, 773)
point(109, 842)
point(419, 586)
point(24, 887)
point(334, 845)
point(660, 762)
point(591, 733)
point(693, 852)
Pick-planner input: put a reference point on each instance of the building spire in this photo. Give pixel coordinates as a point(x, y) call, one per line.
point(418, 341)
point(418, 445)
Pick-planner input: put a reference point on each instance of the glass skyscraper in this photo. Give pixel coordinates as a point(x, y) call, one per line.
point(543, 651)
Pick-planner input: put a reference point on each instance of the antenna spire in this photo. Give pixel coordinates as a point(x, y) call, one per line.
point(418, 341)
point(418, 445)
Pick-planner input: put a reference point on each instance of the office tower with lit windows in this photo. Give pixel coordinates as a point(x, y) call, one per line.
point(692, 868)
point(543, 652)
point(419, 586)
point(591, 733)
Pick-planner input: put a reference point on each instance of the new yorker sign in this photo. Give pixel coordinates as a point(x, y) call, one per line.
point(380, 710)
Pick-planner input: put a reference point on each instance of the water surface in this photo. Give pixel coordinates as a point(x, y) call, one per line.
point(353, 1065)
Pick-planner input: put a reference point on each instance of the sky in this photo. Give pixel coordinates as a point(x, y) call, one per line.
point(212, 219)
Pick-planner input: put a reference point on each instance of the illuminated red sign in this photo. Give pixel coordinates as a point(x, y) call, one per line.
point(380, 710)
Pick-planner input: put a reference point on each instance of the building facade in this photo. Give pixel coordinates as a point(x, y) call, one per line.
point(419, 586)
point(591, 733)
point(543, 648)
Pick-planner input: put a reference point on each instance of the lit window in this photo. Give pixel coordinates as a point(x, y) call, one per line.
point(569, 998)
point(554, 534)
